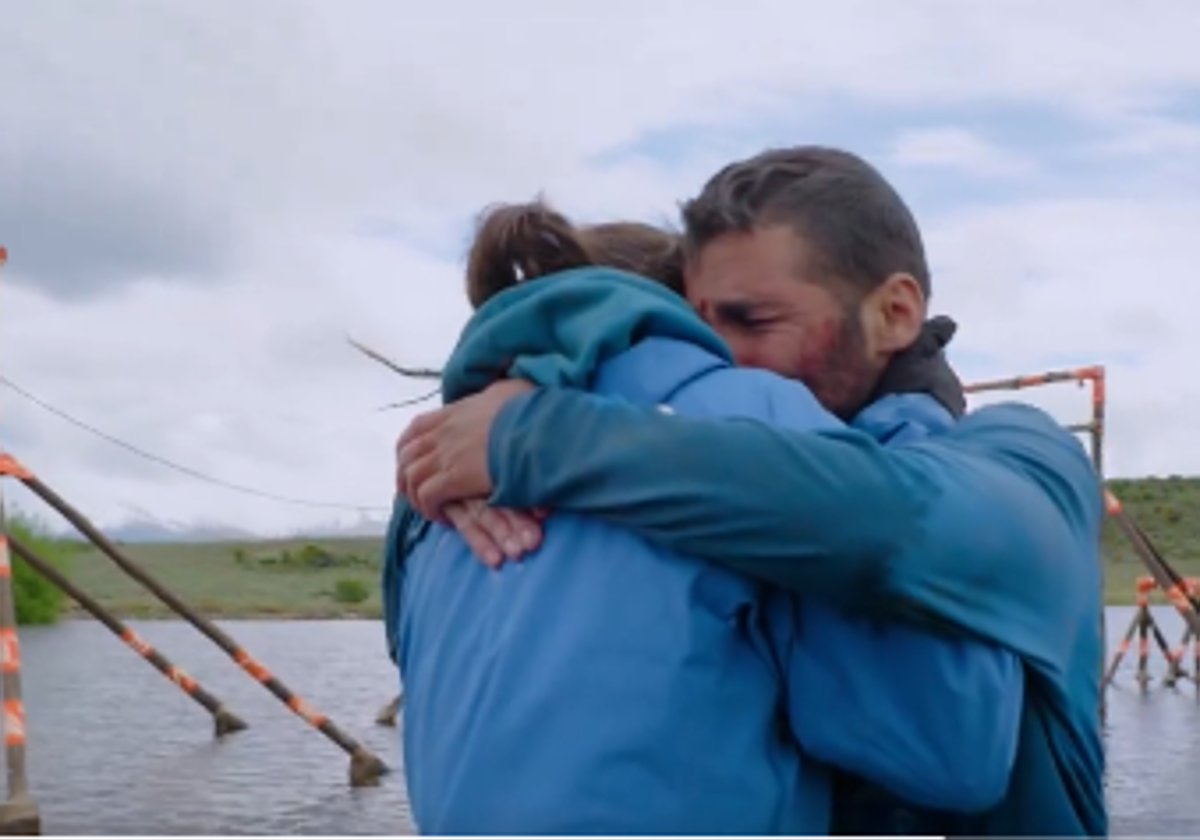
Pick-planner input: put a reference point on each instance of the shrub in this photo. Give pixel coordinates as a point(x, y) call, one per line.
point(350, 591)
point(37, 600)
point(315, 557)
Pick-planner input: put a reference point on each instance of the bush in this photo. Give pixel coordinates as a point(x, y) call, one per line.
point(350, 591)
point(37, 600)
point(306, 558)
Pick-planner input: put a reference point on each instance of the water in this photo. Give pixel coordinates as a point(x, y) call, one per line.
point(116, 749)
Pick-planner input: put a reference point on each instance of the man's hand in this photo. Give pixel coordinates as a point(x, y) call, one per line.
point(495, 534)
point(442, 455)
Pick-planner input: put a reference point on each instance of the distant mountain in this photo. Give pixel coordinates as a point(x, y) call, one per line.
point(366, 526)
point(142, 529)
point(151, 531)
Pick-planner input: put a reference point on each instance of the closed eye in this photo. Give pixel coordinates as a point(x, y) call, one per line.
point(741, 316)
point(753, 324)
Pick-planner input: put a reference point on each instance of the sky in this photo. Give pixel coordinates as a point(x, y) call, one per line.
point(201, 199)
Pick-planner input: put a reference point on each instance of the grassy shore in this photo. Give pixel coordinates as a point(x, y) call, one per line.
point(1168, 509)
point(303, 578)
point(316, 578)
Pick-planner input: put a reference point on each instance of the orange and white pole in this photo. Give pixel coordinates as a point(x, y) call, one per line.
point(18, 814)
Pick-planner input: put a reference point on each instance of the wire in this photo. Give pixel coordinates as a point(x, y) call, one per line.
point(180, 468)
point(413, 401)
point(374, 355)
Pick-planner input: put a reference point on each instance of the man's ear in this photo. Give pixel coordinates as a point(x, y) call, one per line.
point(893, 314)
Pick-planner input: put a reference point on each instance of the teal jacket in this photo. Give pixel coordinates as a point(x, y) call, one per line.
point(988, 531)
point(608, 332)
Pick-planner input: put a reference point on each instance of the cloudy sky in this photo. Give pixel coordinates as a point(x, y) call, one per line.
point(201, 198)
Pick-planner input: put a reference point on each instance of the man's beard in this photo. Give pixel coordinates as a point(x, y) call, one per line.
point(842, 376)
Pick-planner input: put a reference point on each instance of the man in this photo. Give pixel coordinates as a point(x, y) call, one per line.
point(809, 264)
point(511, 729)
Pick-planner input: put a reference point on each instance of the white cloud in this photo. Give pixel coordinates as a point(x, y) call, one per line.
point(181, 185)
point(958, 149)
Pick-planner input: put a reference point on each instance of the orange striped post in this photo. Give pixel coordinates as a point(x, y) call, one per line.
point(387, 715)
point(365, 767)
point(1194, 637)
point(19, 813)
point(225, 722)
point(1144, 585)
point(1179, 593)
point(1094, 375)
point(1123, 647)
point(1147, 628)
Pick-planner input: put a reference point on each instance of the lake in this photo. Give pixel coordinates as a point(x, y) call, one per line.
point(116, 749)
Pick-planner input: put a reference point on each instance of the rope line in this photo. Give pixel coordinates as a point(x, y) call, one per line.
point(180, 468)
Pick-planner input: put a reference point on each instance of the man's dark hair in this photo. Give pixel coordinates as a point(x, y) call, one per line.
point(860, 228)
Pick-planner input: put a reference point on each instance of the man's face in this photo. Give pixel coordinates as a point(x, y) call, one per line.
point(750, 287)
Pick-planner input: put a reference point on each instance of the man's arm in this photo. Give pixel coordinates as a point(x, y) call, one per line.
point(705, 487)
point(933, 720)
point(963, 529)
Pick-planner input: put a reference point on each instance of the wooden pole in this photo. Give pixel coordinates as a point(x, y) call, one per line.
point(19, 813)
point(1122, 649)
point(1143, 660)
point(1196, 659)
point(387, 715)
point(1177, 589)
point(365, 767)
point(225, 722)
point(1173, 657)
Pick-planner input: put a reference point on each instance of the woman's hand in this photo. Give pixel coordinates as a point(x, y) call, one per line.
point(495, 534)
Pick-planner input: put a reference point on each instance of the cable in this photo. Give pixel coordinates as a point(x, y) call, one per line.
point(188, 471)
point(414, 400)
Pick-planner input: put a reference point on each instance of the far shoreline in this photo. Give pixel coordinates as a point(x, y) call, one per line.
point(76, 613)
point(155, 613)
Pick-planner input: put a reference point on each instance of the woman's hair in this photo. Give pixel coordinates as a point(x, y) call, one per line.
point(519, 242)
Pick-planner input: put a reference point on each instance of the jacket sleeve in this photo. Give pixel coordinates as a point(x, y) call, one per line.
point(965, 529)
point(931, 719)
point(732, 491)
point(405, 529)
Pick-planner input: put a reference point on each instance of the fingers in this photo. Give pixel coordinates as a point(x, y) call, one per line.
point(493, 534)
point(417, 441)
point(421, 425)
point(413, 462)
point(496, 523)
point(428, 495)
point(424, 485)
point(516, 532)
point(526, 528)
point(463, 516)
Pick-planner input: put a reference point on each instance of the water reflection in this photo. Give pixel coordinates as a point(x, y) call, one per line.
point(115, 748)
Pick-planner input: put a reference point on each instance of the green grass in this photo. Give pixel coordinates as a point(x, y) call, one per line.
point(1168, 509)
point(239, 580)
point(322, 578)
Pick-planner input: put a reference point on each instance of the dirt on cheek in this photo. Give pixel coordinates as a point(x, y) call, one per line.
point(818, 350)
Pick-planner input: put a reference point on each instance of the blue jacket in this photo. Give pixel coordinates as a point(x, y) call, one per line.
point(601, 686)
point(965, 707)
point(987, 530)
